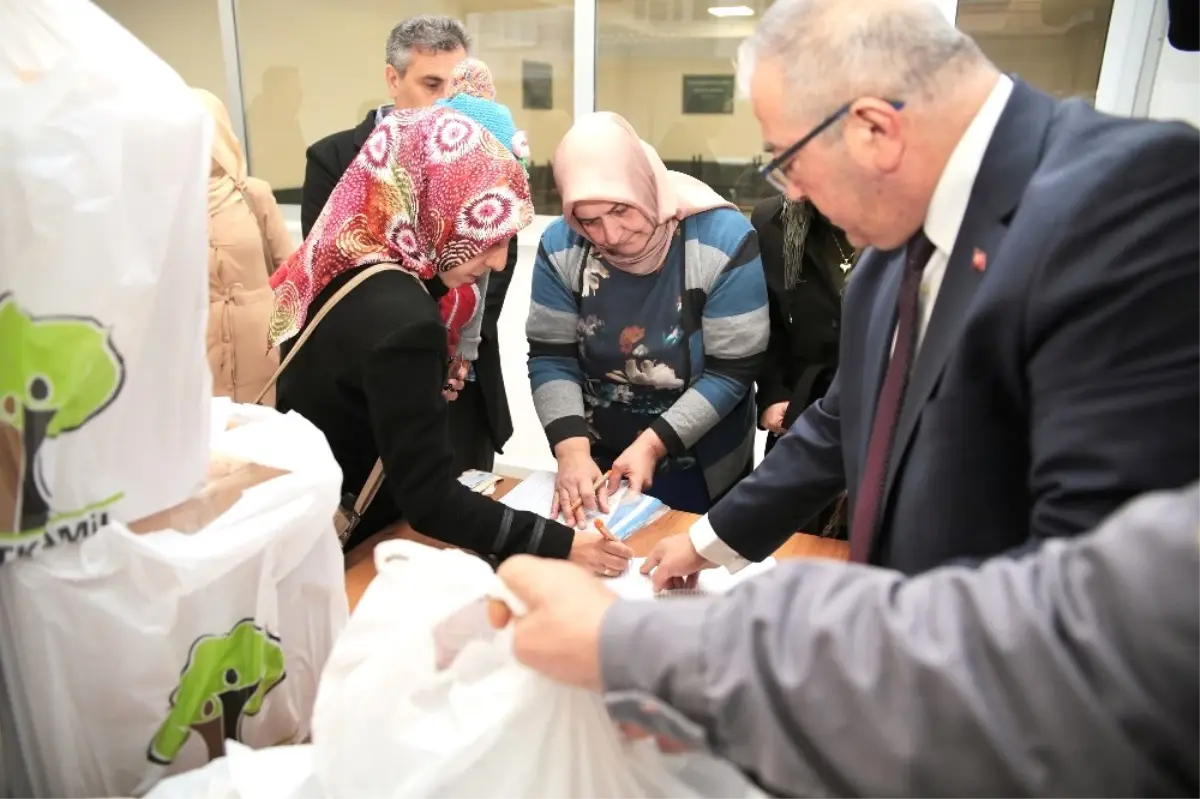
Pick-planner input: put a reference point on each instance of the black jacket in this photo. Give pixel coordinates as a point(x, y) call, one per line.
point(1183, 16)
point(802, 355)
point(1183, 30)
point(370, 378)
point(325, 163)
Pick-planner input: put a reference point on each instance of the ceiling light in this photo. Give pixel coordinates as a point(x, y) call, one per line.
point(731, 11)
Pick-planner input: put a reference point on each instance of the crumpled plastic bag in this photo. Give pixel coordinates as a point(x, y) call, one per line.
point(422, 698)
point(280, 772)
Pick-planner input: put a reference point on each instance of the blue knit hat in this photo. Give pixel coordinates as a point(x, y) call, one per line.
point(496, 118)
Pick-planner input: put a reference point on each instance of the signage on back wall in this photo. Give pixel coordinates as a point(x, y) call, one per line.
point(537, 85)
point(708, 94)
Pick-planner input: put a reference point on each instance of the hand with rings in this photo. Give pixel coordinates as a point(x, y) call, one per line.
point(579, 486)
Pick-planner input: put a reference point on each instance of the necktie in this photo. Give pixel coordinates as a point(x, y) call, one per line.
point(869, 503)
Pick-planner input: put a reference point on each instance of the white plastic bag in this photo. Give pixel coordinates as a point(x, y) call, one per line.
point(279, 772)
point(132, 656)
point(104, 386)
point(421, 699)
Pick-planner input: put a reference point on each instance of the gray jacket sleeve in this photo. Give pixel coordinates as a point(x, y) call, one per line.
point(1068, 671)
point(472, 332)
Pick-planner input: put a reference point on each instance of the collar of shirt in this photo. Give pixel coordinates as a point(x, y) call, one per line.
point(953, 191)
point(383, 111)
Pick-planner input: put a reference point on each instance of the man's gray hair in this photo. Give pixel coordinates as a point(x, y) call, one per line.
point(835, 51)
point(426, 32)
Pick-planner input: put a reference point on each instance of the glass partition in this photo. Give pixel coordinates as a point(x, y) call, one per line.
point(667, 67)
point(184, 33)
point(314, 67)
point(1055, 45)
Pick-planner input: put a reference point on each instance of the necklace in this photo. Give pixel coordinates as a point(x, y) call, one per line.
point(845, 265)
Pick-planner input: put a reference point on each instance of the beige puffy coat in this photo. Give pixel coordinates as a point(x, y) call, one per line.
point(240, 298)
point(247, 241)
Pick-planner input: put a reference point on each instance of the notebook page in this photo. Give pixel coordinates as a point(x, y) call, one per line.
point(632, 584)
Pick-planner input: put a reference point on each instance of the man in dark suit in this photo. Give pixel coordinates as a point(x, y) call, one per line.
point(1020, 351)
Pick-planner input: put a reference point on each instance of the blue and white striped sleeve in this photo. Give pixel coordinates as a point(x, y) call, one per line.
point(736, 327)
point(555, 376)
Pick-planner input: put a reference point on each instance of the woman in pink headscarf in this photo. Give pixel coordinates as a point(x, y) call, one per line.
point(431, 193)
point(647, 326)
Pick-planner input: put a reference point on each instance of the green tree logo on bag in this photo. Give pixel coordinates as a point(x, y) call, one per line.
point(226, 678)
point(56, 374)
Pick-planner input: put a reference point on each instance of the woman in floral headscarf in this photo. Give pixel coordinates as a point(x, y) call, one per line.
point(431, 193)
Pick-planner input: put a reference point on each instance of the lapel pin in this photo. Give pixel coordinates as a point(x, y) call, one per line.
point(979, 260)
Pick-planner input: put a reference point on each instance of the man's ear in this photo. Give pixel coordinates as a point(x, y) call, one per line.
point(873, 132)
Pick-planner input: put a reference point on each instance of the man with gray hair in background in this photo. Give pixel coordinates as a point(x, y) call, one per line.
point(421, 53)
point(1019, 357)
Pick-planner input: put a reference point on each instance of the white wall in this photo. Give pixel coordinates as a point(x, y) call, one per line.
point(1176, 92)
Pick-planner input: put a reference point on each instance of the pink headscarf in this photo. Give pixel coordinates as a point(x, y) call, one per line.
point(602, 159)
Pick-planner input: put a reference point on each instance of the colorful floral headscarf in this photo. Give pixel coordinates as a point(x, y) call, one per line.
point(429, 190)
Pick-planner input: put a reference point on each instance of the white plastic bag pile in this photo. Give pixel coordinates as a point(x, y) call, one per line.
point(104, 386)
point(130, 656)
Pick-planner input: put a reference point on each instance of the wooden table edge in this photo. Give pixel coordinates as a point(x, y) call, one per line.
point(360, 561)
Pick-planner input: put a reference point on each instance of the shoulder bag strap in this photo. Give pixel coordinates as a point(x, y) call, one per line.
point(316, 320)
point(375, 478)
point(268, 257)
point(369, 489)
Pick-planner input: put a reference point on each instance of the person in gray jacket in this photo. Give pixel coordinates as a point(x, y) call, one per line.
point(1071, 670)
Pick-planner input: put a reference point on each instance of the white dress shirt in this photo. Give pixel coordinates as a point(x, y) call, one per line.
point(947, 208)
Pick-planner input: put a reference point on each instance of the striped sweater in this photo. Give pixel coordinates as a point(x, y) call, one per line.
point(724, 325)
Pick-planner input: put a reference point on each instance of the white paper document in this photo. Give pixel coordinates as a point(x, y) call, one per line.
point(634, 585)
point(533, 494)
point(536, 492)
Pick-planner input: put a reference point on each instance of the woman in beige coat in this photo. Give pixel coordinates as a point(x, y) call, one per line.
point(247, 240)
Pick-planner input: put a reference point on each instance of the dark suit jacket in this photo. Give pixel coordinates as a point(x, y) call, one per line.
point(1050, 387)
point(1183, 30)
point(326, 162)
point(802, 355)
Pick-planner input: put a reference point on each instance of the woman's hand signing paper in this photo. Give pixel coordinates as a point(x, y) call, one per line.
point(599, 554)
